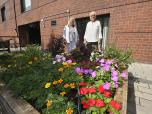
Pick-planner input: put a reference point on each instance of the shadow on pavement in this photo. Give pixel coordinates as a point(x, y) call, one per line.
point(131, 103)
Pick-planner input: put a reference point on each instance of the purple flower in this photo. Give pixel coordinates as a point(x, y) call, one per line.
point(90, 71)
point(106, 86)
point(124, 74)
point(106, 67)
point(58, 56)
point(69, 61)
point(58, 60)
point(102, 64)
point(93, 74)
point(78, 70)
point(85, 71)
point(102, 61)
point(114, 73)
point(115, 84)
point(63, 58)
point(97, 59)
point(109, 62)
point(114, 78)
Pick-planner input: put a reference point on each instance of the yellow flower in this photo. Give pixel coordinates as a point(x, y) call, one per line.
point(66, 85)
point(60, 69)
point(65, 63)
point(55, 82)
point(35, 58)
point(72, 85)
point(74, 63)
point(69, 111)
point(60, 81)
point(47, 85)
point(62, 93)
point(9, 66)
point(49, 103)
point(80, 74)
point(30, 62)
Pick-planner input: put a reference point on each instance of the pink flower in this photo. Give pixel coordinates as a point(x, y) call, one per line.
point(114, 73)
point(93, 74)
point(124, 74)
point(106, 67)
point(106, 86)
point(114, 78)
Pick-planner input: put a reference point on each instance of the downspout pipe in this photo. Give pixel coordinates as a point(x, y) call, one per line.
point(16, 27)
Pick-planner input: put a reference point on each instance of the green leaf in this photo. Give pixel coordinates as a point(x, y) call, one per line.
point(98, 83)
point(102, 110)
point(107, 100)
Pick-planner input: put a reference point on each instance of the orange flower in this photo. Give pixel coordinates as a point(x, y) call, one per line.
point(72, 85)
point(60, 81)
point(55, 82)
point(69, 111)
point(62, 93)
point(66, 85)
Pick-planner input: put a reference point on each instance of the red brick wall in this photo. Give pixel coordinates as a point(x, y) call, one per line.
point(130, 23)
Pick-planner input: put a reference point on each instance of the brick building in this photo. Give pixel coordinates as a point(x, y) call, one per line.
point(126, 23)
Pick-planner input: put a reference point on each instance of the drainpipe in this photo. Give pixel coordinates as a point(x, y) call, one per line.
point(16, 27)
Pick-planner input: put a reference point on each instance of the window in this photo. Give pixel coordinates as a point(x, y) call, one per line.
point(53, 23)
point(3, 13)
point(25, 5)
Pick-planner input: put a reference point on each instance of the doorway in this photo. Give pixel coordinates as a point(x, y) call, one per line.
point(30, 34)
point(104, 20)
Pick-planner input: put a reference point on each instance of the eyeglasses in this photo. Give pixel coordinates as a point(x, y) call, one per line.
point(92, 15)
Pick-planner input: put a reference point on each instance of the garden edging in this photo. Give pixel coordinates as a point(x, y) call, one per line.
point(19, 106)
point(121, 96)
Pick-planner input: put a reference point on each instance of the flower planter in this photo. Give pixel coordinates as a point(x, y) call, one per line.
point(121, 96)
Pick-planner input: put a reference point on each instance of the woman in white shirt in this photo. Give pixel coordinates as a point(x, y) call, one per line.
point(70, 34)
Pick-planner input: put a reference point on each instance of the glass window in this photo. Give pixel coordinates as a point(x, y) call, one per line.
point(3, 13)
point(25, 5)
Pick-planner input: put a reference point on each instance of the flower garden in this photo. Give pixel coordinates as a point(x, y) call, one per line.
point(67, 83)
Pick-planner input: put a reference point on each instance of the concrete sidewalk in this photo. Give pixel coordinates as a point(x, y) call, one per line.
point(140, 89)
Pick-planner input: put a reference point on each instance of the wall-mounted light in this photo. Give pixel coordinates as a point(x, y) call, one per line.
point(43, 24)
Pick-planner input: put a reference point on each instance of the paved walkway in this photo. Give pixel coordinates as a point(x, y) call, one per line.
point(140, 89)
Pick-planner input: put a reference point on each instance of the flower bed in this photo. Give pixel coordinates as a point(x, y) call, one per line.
point(67, 83)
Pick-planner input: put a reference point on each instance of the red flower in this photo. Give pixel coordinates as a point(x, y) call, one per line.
point(85, 105)
point(83, 102)
point(115, 105)
point(82, 84)
point(99, 103)
point(101, 89)
point(91, 102)
point(83, 91)
point(112, 103)
point(107, 94)
point(92, 90)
